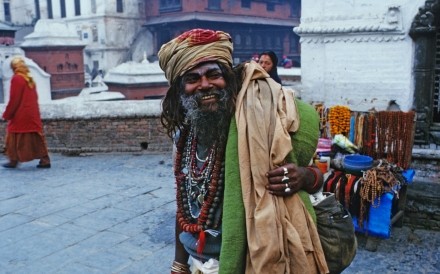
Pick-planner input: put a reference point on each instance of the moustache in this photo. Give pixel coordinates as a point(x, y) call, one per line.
point(198, 97)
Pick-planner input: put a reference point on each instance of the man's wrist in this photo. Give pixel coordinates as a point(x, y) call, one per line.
point(179, 268)
point(314, 184)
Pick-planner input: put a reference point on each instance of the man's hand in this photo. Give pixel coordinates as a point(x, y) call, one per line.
point(286, 180)
point(290, 178)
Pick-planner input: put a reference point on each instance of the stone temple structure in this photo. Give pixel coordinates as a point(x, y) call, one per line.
point(59, 52)
point(137, 80)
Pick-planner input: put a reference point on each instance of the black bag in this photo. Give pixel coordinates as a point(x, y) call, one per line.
point(336, 232)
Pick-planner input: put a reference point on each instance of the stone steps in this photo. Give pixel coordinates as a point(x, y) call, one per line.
point(422, 208)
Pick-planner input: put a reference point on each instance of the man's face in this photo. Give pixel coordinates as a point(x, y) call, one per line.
point(206, 102)
point(205, 83)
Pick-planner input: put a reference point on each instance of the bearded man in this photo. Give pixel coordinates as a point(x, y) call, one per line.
point(242, 148)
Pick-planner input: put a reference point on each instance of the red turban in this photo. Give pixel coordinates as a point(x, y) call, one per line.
point(192, 48)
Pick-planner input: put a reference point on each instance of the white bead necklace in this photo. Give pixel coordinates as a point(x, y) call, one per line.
point(201, 160)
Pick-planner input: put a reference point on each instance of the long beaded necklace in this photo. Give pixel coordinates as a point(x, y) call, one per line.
point(202, 185)
point(197, 179)
point(395, 136)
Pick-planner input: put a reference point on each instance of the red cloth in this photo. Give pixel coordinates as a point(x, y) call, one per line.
point(22, 111)
point(24, 147)
point(200, 36)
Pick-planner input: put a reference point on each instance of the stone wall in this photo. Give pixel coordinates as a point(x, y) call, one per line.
point(423, 200)
point(119, 126)
point(134, 126)
point(106, 134)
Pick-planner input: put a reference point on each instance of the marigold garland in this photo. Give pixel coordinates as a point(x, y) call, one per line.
point(339, 119)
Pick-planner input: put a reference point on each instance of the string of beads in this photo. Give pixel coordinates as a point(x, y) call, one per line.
point(375, 182)
point(186, 173)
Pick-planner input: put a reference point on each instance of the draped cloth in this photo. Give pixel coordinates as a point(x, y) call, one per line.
point(281, 235)
point(24, 147)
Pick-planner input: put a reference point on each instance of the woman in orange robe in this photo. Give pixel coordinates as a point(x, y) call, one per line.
point(25, 140)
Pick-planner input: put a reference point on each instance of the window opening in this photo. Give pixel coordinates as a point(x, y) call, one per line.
point(77, 7)
point(7, 9)
point(270, 7)
point(245, 3)
point(170, 5)
point(37, 9)
point(436, 97)
point(63, 8)
point(49, 9)
point(258, 41)
point(95, 33)
point(237, 39)
point(248, 41)
point(294, 43)
point(119, 6)
point(269, 42)
point(214, 4)
point(295, 8)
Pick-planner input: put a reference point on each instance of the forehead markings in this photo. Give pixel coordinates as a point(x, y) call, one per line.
point(204, 68)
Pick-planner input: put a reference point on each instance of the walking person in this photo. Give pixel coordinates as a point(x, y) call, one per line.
point(25, 139)
point(243, 146)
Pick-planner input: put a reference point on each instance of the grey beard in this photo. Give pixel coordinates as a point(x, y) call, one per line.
point(210, 126)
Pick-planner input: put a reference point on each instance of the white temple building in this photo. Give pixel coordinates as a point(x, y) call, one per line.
point(370, 54)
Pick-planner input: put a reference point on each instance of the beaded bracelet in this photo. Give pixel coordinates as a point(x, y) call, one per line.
point(315, 174)
point(179, 268)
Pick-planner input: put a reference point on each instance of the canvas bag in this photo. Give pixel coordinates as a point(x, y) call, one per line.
point(336, 232)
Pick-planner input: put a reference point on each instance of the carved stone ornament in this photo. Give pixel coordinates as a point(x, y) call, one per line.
point(366, 28)
point(424, 22)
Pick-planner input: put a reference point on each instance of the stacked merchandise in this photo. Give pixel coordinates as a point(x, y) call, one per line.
point(370, 158)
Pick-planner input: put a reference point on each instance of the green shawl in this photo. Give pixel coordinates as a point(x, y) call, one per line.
point(304, 142)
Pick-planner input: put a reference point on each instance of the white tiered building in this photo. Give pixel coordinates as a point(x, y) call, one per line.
point(110, 28)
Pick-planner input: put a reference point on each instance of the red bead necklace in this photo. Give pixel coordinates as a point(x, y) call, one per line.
point(187, 173)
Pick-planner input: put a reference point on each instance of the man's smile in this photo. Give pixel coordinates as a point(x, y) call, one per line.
point(208, 99)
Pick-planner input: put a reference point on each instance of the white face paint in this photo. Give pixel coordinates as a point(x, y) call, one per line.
point(204, 82)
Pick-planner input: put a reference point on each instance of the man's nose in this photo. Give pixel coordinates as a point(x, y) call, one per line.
point(204, 82)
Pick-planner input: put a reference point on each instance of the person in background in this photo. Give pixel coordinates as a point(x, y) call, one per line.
point(269, 61)
point(25, 140)
point(242, 150)
point(255, 57)
point(286, 62)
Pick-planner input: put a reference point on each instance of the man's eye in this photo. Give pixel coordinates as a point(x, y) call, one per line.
point(191, 79)
point(194, 78)
point(215, 75)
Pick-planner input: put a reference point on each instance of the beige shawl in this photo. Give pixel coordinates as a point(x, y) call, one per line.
point(281, 235)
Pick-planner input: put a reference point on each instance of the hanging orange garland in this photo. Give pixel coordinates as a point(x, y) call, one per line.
point(339, 118)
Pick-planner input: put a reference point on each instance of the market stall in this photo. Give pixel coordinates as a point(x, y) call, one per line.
point(366, 158)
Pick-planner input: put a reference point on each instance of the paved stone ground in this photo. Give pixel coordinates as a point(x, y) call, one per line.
point(114, 213)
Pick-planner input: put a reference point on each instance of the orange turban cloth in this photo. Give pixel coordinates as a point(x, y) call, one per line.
point(192, 48)
point(19, 66)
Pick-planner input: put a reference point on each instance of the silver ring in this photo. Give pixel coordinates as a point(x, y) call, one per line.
point(287, 189)
point(285, 171)
point(285, 179)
